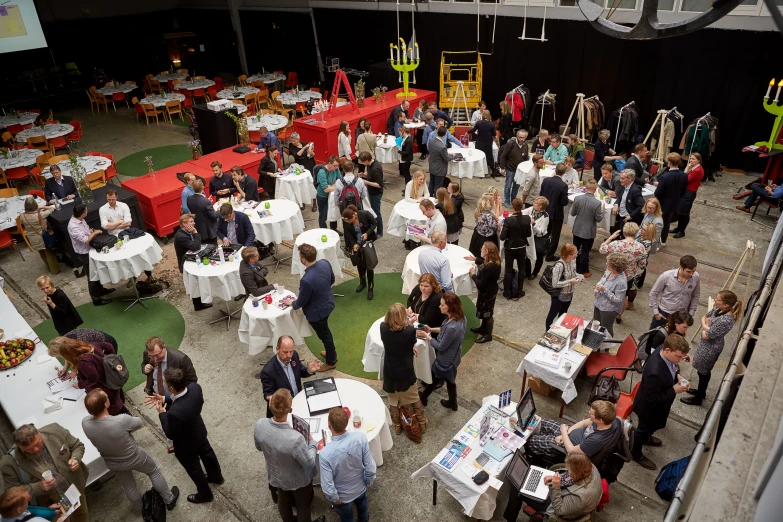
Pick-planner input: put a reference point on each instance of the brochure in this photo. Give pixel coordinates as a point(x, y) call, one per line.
point(70, 501)
point(416, 229)
point(301, 425)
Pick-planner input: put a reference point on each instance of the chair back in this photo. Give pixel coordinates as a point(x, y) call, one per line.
point(182, 71)
point(42, 161)
point(242, 79)
point(38, 142)
point(213, 90)
point(199, 77)
point(238, 102)
point(654, 170)
point(173, 106)
point(8, 192)
point(589, 155)
point(130, 82)
point(254, 135)
point(93, 153)
point(315, 89)
point(199, 93)
point(280, 72)
point(100, 98)
point(35, 173)
point(149, 109)
point(77, 125)
point(37, 193)
point(96, 179)
point(218, 82)
point(301, 108)
point(258, 84)
point(93, 88)
point(15, 129)
point(155, 85)
point(627, 353)
point(275, 95)
point(54, 160)
point(91, 97)
point(293, 79)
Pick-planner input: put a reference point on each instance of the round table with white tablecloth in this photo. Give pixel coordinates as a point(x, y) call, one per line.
point(386, 149)
point(19, 158)
point(124, 88)
point(406, 211)
point(266, 78)
point(159, 101)
point(356, 396)
point(209, 281)
point(413, 125)
point(90, 164)
point(50, 130)
point(11, 208)
point(462, 284)
point(329, 250)
point(21, 118)
point(290, 98)
point(524, 167)
point(374, 349)
point(236, 93)
point(135, 256)
point(260, 327)
point(192, 85)
point(605, 223)
point(284, 222)
point(473, 166)
point(272, 122)
point(495, 149)
point(298, 188)
point(170, 76)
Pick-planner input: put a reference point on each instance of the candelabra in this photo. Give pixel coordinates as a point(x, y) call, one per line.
point(408, 63)
point(773, 107)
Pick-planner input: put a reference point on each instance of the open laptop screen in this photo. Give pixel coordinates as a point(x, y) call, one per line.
point(526, 410)
point(517, 470)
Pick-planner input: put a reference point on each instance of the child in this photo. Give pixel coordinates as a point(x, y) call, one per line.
point(64, 314)
point(715, 325)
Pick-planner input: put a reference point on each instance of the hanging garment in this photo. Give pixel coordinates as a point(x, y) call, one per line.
point(517, 103)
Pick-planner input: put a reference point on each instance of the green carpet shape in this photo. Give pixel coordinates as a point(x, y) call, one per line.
point(131, 329)
point(162, 157)
point(354, 315)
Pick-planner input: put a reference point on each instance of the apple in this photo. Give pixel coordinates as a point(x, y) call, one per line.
point(8, 365)
point(27, 352)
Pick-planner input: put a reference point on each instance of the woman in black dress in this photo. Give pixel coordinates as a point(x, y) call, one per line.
point(446, 206)
point(424, 302)
point(515, 232)
point(267, 170)
point(484, 133)
point(399, 377)
point(359, 227)
point(64, 314)
point(485, 274)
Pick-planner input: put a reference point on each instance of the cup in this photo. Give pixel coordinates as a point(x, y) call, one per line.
point(280, 289)
point(684, 382)
point(357, 419)
point(255, 303)
point(470, 152)
point(264, 304)
point(567, 367)
point(47, 475)
point(512, 422)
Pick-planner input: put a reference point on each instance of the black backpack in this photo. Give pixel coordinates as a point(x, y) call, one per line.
point(350, 195)
point(114, 369)
point(546, 280)
point(103, 240)
point(153, 508)
point(316, 170)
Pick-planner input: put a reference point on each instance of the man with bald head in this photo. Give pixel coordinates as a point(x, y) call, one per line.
point(285, 370)
point(187, 191)
point(433, 261)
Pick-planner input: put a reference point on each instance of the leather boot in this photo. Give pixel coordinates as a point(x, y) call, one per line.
point(452, 401)
point(371, 282)
point(487, 325)
point(423, 422)
point(425, 394)
point(362, 284)
point(395, 416)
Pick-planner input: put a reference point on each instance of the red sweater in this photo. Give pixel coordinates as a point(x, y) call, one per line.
point(91, 375)
point(694, 178)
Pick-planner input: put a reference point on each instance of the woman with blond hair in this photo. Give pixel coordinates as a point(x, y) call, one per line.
point(715, 325)
point(634, 251)
point(64, 315)
point(485, 273)
point(446, 206)
point(653, 214)
point(416, 189)
point(86, 359)
point(399, 376)
point(564, 277)
point(487, 225)
point(610, 291)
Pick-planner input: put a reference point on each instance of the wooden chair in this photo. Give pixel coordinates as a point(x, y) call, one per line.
point(150, 111)
point(242, 79)
point(174, 107)
point(100, 99)
point(129, 82)
point(147, 86)
point(266, 111)
point(278, 107)
point(54, 160)
point(262, 96)
point(199, 77)
point(238, 102)
point(92, 101)
point(250, 101)
point(93, 88)
point(164, 73)
point(19, 230)
point(8, 193)
point(42, 161)
point(341, 100)
point(275, 95)
point(258, 84)
point(96, 180)
point(40, 143)
point(155, 86)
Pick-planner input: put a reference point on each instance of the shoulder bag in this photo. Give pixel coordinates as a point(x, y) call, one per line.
point(46, 233)
point(546, 281)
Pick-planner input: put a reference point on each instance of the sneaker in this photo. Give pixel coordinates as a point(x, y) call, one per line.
point(326, 367)
point(646, 463)
point(663, 245)
point(679, 235)
point(175, 493)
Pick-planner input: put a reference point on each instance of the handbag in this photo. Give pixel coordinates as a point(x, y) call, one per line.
point(605, 389)
point(370, 255)
point(547, 283)
point(46, 233)
point(410, 424)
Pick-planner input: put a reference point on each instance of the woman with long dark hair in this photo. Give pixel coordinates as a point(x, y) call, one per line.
point(485, 273)
point(446, 206)
point(267, 170)
point(359, 227)
point(484, 133)
point(344, 149)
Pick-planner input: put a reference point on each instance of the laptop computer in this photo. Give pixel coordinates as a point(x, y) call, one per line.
point(526, 411)
point(527, 479)
point(592, 339)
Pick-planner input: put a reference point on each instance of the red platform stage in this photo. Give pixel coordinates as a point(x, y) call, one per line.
point(160, 196)
point(324, 135)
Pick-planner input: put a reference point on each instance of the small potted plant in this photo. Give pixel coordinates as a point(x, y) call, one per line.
point(359, 88)
point(150, 169)
point(79, 176)
point(195, 147)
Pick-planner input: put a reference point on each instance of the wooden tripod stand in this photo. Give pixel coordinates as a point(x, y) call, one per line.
point(580, 115)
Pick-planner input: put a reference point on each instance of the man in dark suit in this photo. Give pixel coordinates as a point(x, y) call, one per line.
point(180, 418)
point(285, 370)
point(671, 187)
point(246, 185)
point(187, 238)
point(395, 115)
point(438, 160)
point(156, 359)
point(206, 217)
point(660, 384)
point(555, 190)
point(253, 274)
point(234, 227)
point(59, 186)
point(636, 164)
point(629, 203)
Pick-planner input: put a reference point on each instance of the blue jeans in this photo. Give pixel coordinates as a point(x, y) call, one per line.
point(321, 329)
point(758, 191)
point(375, 203)
point(345, 510)
point(511, 189)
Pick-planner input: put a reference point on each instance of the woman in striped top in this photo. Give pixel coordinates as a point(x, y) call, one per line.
point(564, 277)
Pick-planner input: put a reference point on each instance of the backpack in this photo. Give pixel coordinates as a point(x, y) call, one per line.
point(316, 170)
point(546, 280)
point(644, 347)
point(153, 508)
point(670, 475)
point(103, 240)
point(350, 195)
point(115, 371)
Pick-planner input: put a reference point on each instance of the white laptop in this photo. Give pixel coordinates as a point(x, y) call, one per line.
point(527, 479)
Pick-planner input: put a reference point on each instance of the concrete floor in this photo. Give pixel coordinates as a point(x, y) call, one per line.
point(716, 237)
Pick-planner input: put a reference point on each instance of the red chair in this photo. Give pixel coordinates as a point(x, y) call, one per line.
point(460, 130)
point(76, 135)
point(111, 170)
point(254, 135)
point(118, 97)
point(35, 174)
point(213, 90)
point(37, 193)
point(654, 170)
point(17, 174)
point(59, 143)
point(293, 80)
point(625, 402)
point(604, 364)
point(280, 72)
point(15, 129)
point(315, 89)
point(218, 83)
point(94, 154)
point(589, 155)
point(199, 93)
point(187, 103)
point(7, 241)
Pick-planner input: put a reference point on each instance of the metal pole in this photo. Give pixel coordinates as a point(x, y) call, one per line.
point(233, 9)
point(317, 48)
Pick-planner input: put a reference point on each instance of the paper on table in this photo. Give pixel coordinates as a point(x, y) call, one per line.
point(72, 394)
point(574, 357)
point(52, 403)
point(58, 384)
point(324, 401)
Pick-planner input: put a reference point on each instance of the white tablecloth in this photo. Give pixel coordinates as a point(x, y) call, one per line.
point(374, 349)
point(135, 256)
point(259, 328)
point(266, 78)
point(405, 211)
point(236, 93)
point(19, 158)
point(461, 281)
point(54, 130)
point(124, 88)
point(24, 388)
point(192, 85)
point(170, 76)
point(289, 98)
point(299, 189)
point(356, 396)
point(386, 152)
point(479, 502)
point(474, 166)
point(495, 149)
point(89, 163)
point(330, 250)
point(12, 207)
point(412, 125)
point(524, 167)
point(272, 122)
point(285, 222)
point(210, 281)
point(159, 101)
point(21, 118)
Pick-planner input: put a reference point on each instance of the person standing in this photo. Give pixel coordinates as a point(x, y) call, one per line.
point(405, 149)
point(515, 232)
point(206, 218)
point(695, 174)
point(636, 164)
point(373, 180)
point(267, 172)
point(267, 138)
point(603, 153)
point(284, 371)
point(189, 178)
point(359, 230)
point(434, 261)
point(246, 186)
point(438, 158)
point(506, 123)
point(325, 180)
point(64, 315)
point(448, 349)
point(634, 251)
point(113, 437)
point(485, 274)
point(447, 208)
point(399, 377)
point(530, 181)
point(156, 359)
point(366, 142)
point(610, 291)
point(652, 215)
point(291, 460)
point(670, 190)
point(564, 277)
point(180, 418)
point(674, 290)
point(316, 300)
point(221, 184)
point(484, 134)
point(344, 151)
point(513, 153)
point(303, 153)
point(715, 325)
point(630, 202)
point(424, 301)
point(394, 116)
point(186, 239)
point(81, 235)
point(35, 222)
point(51, 448)
point(659, 386)
point(555, 191)
point(588, 212)
point(539, 219)
point(86, 359)
point(487, 225)
point(435, 221)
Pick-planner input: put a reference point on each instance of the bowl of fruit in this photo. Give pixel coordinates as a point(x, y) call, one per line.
point(15, 352)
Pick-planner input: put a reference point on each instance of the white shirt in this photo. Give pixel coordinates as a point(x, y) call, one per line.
point(180, 394)
point(437, 223)
point(343, 146)
point(408, 197)
point(120, 212)
point(476, 116)
point(571, 178)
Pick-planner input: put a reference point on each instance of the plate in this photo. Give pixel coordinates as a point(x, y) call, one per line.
point(18, 350)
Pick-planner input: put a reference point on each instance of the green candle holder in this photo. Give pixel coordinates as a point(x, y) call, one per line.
point(267, 205)
point(405, 65)
point(204, 260)
point(324, 238)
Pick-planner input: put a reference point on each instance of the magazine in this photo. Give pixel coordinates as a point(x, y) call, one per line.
point(301, 425)
point(554, 341)
point(70, 501)
point(416, 229)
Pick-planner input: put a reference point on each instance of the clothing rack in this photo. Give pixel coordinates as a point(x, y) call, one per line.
point(542, 100)
point(619, 119)
point(696, 130)
point(662, 116)
point(580, 115)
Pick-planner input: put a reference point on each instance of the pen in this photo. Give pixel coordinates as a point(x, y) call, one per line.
point(323, 436)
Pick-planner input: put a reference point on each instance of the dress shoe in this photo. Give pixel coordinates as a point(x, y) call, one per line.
point(691, 401)
point(619, 319)
point(79, 274)
point(646, 463)
point(326, 367)
point(173, 503)
point(484, 339)
point(553, 258)
point(202, 306)
point(629, 307)
point(198, 499)
point(370, 294)
point(446, 404)
point(101, 301)
point(362, 285)
point(654, 442)
point(587, 275)
point(107, 291)
point(691, 391)
point(323, 354)
point(531, 277)
point(170, 449)
point(738, 207)
point(679, 235)
point(477, 330)
point(219, 481)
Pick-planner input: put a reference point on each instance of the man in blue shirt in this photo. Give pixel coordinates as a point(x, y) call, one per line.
point(434, 261)
point(347, 468)
point(267, 139)
point(437, 113)
point(187, 191)
point(317, 301)
point(761, 191)
point(556, 152)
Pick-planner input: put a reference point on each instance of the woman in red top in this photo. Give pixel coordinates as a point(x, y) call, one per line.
point(87, 361)
point(695, 174)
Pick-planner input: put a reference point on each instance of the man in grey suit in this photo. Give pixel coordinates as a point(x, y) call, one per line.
point(439, 160)
point(588, 212)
